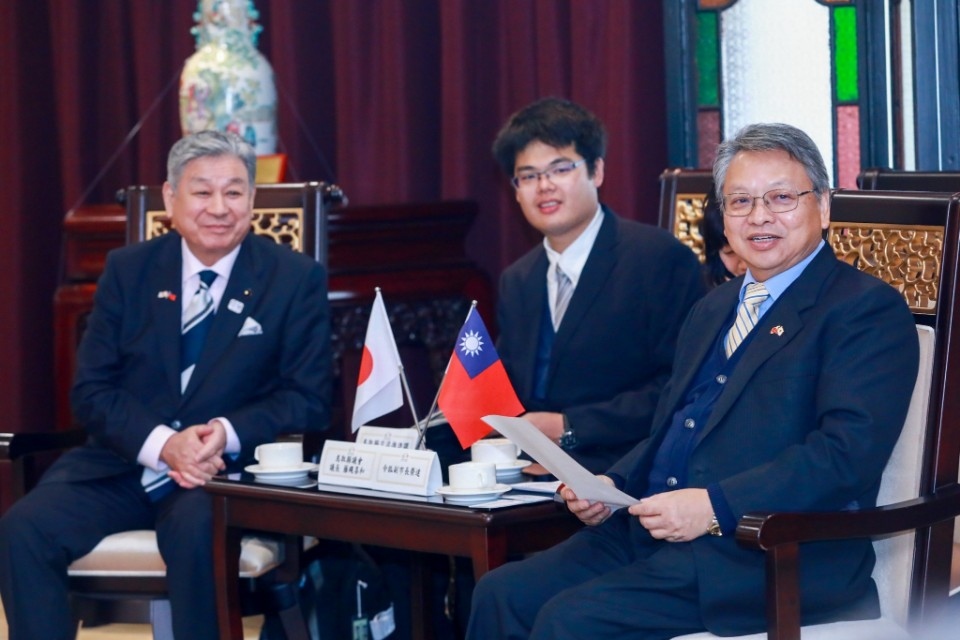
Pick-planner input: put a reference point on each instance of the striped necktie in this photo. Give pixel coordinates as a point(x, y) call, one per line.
point(564, 293)
point(748, 313)
point(197, 318)
point(196, 321)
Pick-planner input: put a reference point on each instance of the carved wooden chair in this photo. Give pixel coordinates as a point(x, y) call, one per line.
point(681, 205)
point(893, 180)
point(124, 578)
point(911, 241)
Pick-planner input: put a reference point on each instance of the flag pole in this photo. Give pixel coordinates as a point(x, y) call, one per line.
point(413, 409)
point(436, 398)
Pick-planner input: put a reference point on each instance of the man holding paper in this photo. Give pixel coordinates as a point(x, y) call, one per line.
point(589, 318)
point(789, 390)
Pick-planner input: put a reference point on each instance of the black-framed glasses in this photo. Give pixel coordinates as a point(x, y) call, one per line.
point(528, 179)
point(738, 205)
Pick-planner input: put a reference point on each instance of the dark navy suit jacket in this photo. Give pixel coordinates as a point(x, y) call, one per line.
point(806, 422)
point(128, 378)
point(613, 351)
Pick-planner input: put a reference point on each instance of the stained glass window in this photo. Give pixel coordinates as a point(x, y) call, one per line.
point(791, 61)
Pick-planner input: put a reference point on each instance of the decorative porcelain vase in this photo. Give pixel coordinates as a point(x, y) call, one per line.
point(227, 84)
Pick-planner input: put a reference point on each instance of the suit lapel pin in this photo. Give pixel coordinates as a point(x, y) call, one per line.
point(168, 295)
point(235, 305)
point(777, 330)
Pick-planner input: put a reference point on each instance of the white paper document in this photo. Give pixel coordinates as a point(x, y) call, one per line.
point(537, 486)
point(586, 485)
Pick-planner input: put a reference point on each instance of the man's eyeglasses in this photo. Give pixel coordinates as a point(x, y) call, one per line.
point(558, 171)
point(738, 205)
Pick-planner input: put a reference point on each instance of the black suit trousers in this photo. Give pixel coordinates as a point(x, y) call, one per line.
point(58, 522)
point(596, 584)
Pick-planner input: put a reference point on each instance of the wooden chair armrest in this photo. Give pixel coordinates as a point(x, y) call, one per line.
point(14, 446)
point(780, 534)
point(768, 530)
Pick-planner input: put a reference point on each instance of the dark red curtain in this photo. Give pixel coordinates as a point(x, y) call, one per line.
point(395, 100)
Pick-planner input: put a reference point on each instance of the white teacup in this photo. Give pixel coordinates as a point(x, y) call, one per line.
point(500, 451)
point(473, 476)
point(279, 455)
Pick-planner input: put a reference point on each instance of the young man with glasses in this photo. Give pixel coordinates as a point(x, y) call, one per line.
point(787, 394)
point(589, 318)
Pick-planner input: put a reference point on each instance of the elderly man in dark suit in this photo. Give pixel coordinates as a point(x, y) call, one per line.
point(789, 390)
point(589, 318)
point(164, 410)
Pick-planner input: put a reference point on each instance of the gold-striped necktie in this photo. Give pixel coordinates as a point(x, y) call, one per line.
point(748, 313)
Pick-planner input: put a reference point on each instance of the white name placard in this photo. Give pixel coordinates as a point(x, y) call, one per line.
point(379, 467)
point(395, 438)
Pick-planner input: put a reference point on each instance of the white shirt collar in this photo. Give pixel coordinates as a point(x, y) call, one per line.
point(192, 266)
point(574, 257)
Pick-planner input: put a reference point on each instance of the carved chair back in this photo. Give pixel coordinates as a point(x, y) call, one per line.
point(682, 192)
point(910, 240)
point(290, 214)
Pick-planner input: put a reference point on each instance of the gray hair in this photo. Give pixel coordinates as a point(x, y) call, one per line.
point(204, 144)
point(772, 137)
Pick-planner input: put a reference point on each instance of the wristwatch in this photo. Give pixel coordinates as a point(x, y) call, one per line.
point(714, 528)
point(567, 440)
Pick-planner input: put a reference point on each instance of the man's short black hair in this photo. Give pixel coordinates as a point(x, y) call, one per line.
point(555, 122)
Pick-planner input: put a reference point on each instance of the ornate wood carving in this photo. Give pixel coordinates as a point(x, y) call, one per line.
point(686, 221)
point(906, 257)
point(284, 226)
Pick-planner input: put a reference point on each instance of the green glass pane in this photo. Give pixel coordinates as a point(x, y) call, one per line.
point(845, 53)
point(708, 93)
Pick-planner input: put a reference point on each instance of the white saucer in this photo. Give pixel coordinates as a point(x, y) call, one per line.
point(511, 470)
point(471, 496)
point(513, 465)
point(302, 480)
point(276, 474)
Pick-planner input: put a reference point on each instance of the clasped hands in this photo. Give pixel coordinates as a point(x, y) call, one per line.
point(674, 516)
point(195, 454)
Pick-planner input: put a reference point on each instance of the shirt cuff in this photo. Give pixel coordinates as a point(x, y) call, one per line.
point(722, 510)
point(233, 440)
point(149, 455)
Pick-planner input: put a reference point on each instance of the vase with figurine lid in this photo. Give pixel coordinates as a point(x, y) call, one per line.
point(227, 84)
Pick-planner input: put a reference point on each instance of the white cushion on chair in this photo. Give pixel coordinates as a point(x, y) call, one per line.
point(894, 568)
point(901, 481)
point(135, 553)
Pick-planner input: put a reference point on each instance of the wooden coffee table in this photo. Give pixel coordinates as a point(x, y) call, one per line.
point(487, 537)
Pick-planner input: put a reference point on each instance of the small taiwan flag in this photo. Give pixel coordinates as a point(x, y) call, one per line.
point(476, 384)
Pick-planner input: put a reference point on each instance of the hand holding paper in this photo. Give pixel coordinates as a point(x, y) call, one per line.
point(589, 513)
point(558, 462)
